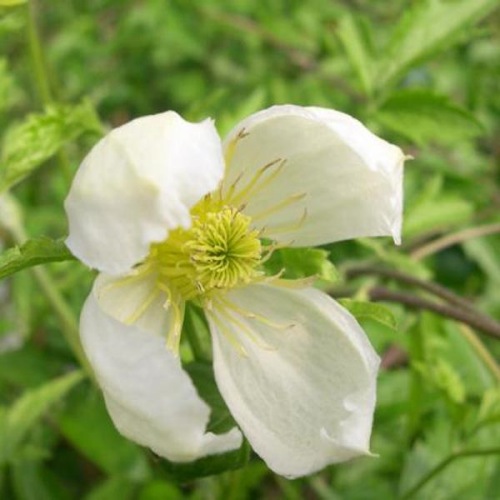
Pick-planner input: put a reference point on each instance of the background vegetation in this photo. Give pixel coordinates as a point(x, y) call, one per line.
point(424, 74)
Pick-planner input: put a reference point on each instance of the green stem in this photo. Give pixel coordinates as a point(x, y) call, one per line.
point(69, 324)
point(443, 464)
point(481, 351)
point(454, 239)
point(37, 57)
point(42, 79)
point(233, 490)
point(190, 329)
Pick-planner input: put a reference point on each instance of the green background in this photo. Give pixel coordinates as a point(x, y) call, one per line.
point(423, 74)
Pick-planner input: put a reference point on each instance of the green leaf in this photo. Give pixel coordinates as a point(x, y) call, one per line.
point(85, 423)
point(220, 421)
point(160, 490)
point(368, 310)
point(114, 487)
point(28, 145)
point(32, 481)
point(28, 409)
point(423, 117)
point(203, 378)
point(427, 28)
point(207, 466)
point(303, 263)
point(353, 36)
point(437, 214)
point(32, 253)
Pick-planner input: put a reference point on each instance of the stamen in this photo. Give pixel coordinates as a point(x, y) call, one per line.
point(250, 315)
point(135, 275)
point(279, 206)
point(295, 284)
point(255, 184)
point(270, 232)
point(269, 251)
point(177, 309)
point(229, 154)
point(218, 252)
point(232, 188)
point(142, 308)
point(223, 328)
point(225, 311)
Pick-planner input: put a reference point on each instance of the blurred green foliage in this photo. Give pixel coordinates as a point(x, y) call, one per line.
point(423, 74)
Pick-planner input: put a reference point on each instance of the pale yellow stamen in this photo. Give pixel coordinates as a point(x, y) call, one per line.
point(278, 206)
point(284, 228)
point(258, 182)
point(227, 311)
point(220, 251)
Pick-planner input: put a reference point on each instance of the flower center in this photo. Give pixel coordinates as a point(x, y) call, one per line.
point(218, 252)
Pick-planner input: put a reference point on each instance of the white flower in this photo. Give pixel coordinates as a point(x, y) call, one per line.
point(168, 214)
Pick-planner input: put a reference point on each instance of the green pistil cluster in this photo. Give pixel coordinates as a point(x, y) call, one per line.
point(219, 252)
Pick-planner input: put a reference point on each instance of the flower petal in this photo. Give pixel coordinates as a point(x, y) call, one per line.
point(297, 373)
point(324, 177)
point(151, 400)
point(134, 299)
point(138, 183)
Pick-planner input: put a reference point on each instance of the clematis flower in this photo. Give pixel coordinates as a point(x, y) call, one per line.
point(170, 214)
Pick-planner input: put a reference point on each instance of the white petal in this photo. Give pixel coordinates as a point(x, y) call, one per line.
point(350, 180)
point(134, 299)
point(151, 400)
point(303, 395)
point(138, 183)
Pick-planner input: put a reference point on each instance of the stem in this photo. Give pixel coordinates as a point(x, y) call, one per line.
point(37, 57)
point(233, 490)
point(481, 351)
point(190, 330)
point(452, 239)
point(42, 78)
point(69, 325)
point(471, 317)
point(443, 464)
point(434, 288)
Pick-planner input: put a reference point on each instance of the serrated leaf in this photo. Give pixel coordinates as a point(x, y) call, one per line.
point(352, 36)
point(422, 117)
point(32, 253)
point(429, 27)
point(303, 263)
point(28, 409)
point(368, 310)
point(28, 145)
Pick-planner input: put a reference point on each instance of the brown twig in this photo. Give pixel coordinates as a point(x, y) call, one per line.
point(428, 286)
point(453, 239)
point(473, 318)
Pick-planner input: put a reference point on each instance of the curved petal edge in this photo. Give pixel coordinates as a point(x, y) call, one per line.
point(150, 398)
point(323, 176)
point(138, 183)
point(298, 374)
